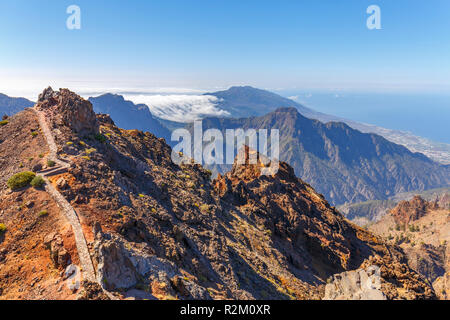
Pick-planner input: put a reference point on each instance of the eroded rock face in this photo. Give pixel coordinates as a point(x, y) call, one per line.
point(442, 286)
point(361, 284)
point(122, 265)
point(379, 278)
point(75, 112)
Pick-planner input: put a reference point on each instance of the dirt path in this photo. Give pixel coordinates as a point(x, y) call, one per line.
point(87, 267)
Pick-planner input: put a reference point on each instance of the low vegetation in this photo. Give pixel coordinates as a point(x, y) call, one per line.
point(51, 163)
point(100, 138)
point(90, 151)
point(2, 228)
point(21, 180)
point(43, 213)
point(3, 123)
point(37, 182)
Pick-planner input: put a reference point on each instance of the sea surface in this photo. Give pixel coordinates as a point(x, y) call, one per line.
point(426, 115)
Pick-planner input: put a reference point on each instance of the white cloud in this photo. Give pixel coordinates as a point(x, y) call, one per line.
point(180, 108)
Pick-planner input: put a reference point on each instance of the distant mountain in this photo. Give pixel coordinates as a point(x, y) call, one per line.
point(11, 106)
point(243, 102)
point(128, 115)
point(344, 164)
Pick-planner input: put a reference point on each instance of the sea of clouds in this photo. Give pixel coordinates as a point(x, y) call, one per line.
point(179, 107)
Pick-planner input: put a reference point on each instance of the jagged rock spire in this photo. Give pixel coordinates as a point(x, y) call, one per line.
point(47, 94)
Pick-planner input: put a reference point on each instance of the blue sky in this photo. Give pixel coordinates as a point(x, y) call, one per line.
point(308, 45)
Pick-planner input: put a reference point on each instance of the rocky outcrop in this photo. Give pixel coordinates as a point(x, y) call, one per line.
point(75, 112)
point(122, 265)
point(412, 210)
point(442, 286)
point(361, 284)
point(379, 278)
point(58, 254)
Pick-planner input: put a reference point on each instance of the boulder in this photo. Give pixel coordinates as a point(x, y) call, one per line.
point(58, 253)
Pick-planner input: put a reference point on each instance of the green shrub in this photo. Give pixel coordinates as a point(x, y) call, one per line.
point(37, 182)
point(100, 138)
point(51, 163)
point(4, 123)
point(20, 180)
point(2, 228)
point(34, 134)
point(43, 213)
point(69, 143)
point(41, 155)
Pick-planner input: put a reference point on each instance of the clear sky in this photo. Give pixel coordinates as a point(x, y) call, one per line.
point(197, 44)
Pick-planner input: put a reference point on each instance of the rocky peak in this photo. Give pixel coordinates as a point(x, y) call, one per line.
point(412, 210)
point(47, 94)
point(75, 112)
point(249, 163)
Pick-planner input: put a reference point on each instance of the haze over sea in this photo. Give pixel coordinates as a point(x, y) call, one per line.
point(423, 114)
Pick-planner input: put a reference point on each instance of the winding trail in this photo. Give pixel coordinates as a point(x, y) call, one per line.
point(87, 267)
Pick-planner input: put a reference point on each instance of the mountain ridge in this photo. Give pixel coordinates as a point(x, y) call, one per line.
point(437, 151)
point(237, 99)
point(344, 164)
point(129, 115)
point(11, 105)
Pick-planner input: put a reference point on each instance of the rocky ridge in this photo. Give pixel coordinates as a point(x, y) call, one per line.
point(158, 230)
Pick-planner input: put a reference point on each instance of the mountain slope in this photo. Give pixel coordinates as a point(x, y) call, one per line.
point(10, 106)
point(340, 162)
point(422, 229)
point(156, 230)
point(243, 102)
point(127, 115)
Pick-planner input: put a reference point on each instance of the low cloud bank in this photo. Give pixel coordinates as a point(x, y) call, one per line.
point(180, 108)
